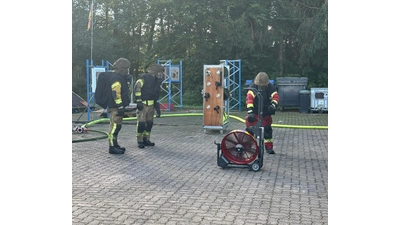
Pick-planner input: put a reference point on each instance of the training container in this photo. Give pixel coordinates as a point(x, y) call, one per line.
point(319, 100)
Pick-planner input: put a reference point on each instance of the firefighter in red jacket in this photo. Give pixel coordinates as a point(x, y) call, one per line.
point(270, 103)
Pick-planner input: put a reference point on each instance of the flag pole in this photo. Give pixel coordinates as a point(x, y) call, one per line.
point(90, 26)
point(91, 34)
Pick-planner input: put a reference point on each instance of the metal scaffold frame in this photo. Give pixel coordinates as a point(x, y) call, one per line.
point(173, 84)
point(233, 83)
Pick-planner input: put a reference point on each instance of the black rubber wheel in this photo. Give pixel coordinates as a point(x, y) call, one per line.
point(255, 166)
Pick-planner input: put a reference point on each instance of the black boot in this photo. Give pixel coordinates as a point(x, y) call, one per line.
point(115, 143)
point(123, 149)
point(269, 150)
point(115, 150)
point(147, 142)
point(140, 144)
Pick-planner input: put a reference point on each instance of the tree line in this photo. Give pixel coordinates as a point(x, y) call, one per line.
point(285, 38)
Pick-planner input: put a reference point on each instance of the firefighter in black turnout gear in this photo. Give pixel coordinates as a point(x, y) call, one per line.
point(112, 91)
point(147, 91)
point(271, 100)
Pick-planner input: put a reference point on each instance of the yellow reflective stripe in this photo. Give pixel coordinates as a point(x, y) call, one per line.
point(268, 140)
point(253, 95)
point(117, 88)
point(140, 81)
point(138, 88)
point(111, 135)
point(139, 84)
point(225, 117)
point(149, 102)
point(272, 95)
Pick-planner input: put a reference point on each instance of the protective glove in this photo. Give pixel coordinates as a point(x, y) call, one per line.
point(121, 111)
point(251, 118)
point(272, 107)
point(128, 79)
point(157, 108)
point(250, 115)
point(139, 106)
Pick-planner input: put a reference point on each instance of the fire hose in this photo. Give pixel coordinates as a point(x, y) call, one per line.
point(83, 128)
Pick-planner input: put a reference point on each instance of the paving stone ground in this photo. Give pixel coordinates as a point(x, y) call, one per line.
point(178, 180)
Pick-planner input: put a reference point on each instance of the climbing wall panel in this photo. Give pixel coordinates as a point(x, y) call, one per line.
point(213, 102)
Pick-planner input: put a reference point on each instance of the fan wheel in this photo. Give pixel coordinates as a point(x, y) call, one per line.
point(239, 147)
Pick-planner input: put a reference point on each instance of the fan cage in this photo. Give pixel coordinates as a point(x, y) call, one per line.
point(239, 147)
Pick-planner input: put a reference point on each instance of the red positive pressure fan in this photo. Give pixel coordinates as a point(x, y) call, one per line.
point(239, 147)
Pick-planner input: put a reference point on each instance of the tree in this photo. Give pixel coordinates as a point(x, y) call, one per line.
point(280, 37)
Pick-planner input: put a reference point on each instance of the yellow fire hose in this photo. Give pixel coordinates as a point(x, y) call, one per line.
point(201, 114)
point(185, 114)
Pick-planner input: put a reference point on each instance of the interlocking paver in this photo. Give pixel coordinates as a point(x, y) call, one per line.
point(178, 180)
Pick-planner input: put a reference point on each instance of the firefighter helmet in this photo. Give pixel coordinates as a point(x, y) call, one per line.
point(261, 79)
point(121, 66)
point(155, 69)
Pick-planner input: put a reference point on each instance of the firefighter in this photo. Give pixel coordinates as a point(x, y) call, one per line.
point(269, 104)
point(112, 92)
point(147, 91)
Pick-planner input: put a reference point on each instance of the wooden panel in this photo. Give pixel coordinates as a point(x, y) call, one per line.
point(213, 117)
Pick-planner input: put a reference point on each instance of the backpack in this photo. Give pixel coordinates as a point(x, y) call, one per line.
point(103, 90)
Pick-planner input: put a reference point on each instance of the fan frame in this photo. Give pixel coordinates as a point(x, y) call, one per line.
point(239, 147)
